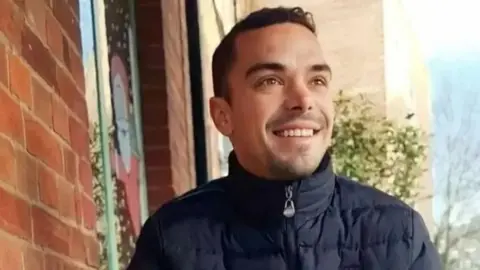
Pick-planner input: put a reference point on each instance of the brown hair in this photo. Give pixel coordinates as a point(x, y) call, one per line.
point(224, 54)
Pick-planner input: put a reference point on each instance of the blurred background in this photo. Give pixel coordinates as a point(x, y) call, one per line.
point(105, 116)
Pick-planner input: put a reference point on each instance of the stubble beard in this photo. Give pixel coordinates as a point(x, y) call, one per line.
point(298, 165)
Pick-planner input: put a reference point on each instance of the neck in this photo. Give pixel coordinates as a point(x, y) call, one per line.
point(262, 199)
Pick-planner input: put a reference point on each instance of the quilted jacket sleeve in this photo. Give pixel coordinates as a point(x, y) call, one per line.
point(148, 253)
point(424, 254)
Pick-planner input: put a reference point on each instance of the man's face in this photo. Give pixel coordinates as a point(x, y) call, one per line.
point(280, 115)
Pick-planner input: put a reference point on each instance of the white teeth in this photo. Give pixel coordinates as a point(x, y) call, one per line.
point(296, 133)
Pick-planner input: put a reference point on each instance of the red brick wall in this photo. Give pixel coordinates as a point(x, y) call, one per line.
point(165, 90)
point(47, 215)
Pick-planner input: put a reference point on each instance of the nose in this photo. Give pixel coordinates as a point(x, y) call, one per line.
point(299, 98)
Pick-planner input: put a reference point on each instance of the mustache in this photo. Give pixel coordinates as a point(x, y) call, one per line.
point(285, 119)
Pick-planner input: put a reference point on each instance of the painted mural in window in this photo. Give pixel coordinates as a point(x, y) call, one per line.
point(124, 155)
point(109, 84)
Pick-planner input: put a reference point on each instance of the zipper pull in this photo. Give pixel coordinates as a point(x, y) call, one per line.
point(289, 208)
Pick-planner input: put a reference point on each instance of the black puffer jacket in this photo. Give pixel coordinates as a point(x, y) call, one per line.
point(238, 223)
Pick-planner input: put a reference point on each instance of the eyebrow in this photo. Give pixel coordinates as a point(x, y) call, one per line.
point(272, 66)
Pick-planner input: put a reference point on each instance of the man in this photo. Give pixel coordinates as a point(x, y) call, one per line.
point(281, 206)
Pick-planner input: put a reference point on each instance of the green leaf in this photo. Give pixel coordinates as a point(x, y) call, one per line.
point(376, 151)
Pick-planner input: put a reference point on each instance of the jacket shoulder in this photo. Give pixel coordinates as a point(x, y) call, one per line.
point(383, 224)
point(380, 217)
point(202, 209)
point(195, 207)
point(199, 200)
point(357, 195)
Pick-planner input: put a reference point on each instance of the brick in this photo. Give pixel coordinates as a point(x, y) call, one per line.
point(86, 177)
point(20, 80)
point(3, 65)
point(89, 213)
point(78, 206)
point(156, 136)
point(27, 181)
point(149, 14)
point(34, 40)
point(93, 251)
point(77, 246)
point(38, 56)
point(49, 232)
point(152, 37)
point(71, 165)
point(11, 23)
point(33, 259)
point(53, 263)
point(153, 56)
point(66, 52)
point(35, 12)
point(67, 89)
point(158, 198)
point(64, 15)
point(79, 139)
point(153, 115)
point(15, 218)
point(154, 76)
point(11, 123)
point(162, 54)
point(76, 69)
point(42, 103)
point(54, 36)
point(48, 191)
point(81, 110)
point(20, 4)
point(42, 144)
point(10, 254)
point(161, 156)
point(75, 5)
point(60, 119)
point(155, 94)
point(66, 206)
point(7, 162)
point(71, 266)
point(161, 175)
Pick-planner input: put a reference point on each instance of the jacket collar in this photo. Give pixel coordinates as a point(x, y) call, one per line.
point(262, 200)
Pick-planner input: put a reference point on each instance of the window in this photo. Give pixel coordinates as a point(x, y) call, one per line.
point(225, 147)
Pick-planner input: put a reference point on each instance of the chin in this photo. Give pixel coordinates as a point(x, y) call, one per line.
point(297, 164)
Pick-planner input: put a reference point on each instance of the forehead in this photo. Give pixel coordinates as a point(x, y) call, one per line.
point(290, 44)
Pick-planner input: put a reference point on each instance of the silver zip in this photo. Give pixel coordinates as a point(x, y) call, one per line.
point(289, 208)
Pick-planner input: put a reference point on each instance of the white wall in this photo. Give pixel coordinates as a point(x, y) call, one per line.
point(408, 88)
point(397, 42)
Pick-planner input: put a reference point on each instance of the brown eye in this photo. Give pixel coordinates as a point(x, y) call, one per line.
point(319, 82)
point(268, 82)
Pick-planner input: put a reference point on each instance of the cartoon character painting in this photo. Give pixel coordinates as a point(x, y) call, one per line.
point(124, 161)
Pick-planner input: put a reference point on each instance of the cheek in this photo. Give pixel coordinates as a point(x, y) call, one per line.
point(327, 106)
point(244, 120)
point(250, 118)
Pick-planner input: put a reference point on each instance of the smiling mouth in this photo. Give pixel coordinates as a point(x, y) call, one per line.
point(297, 132)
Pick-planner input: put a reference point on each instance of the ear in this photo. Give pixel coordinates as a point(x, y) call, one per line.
point(220, 112)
